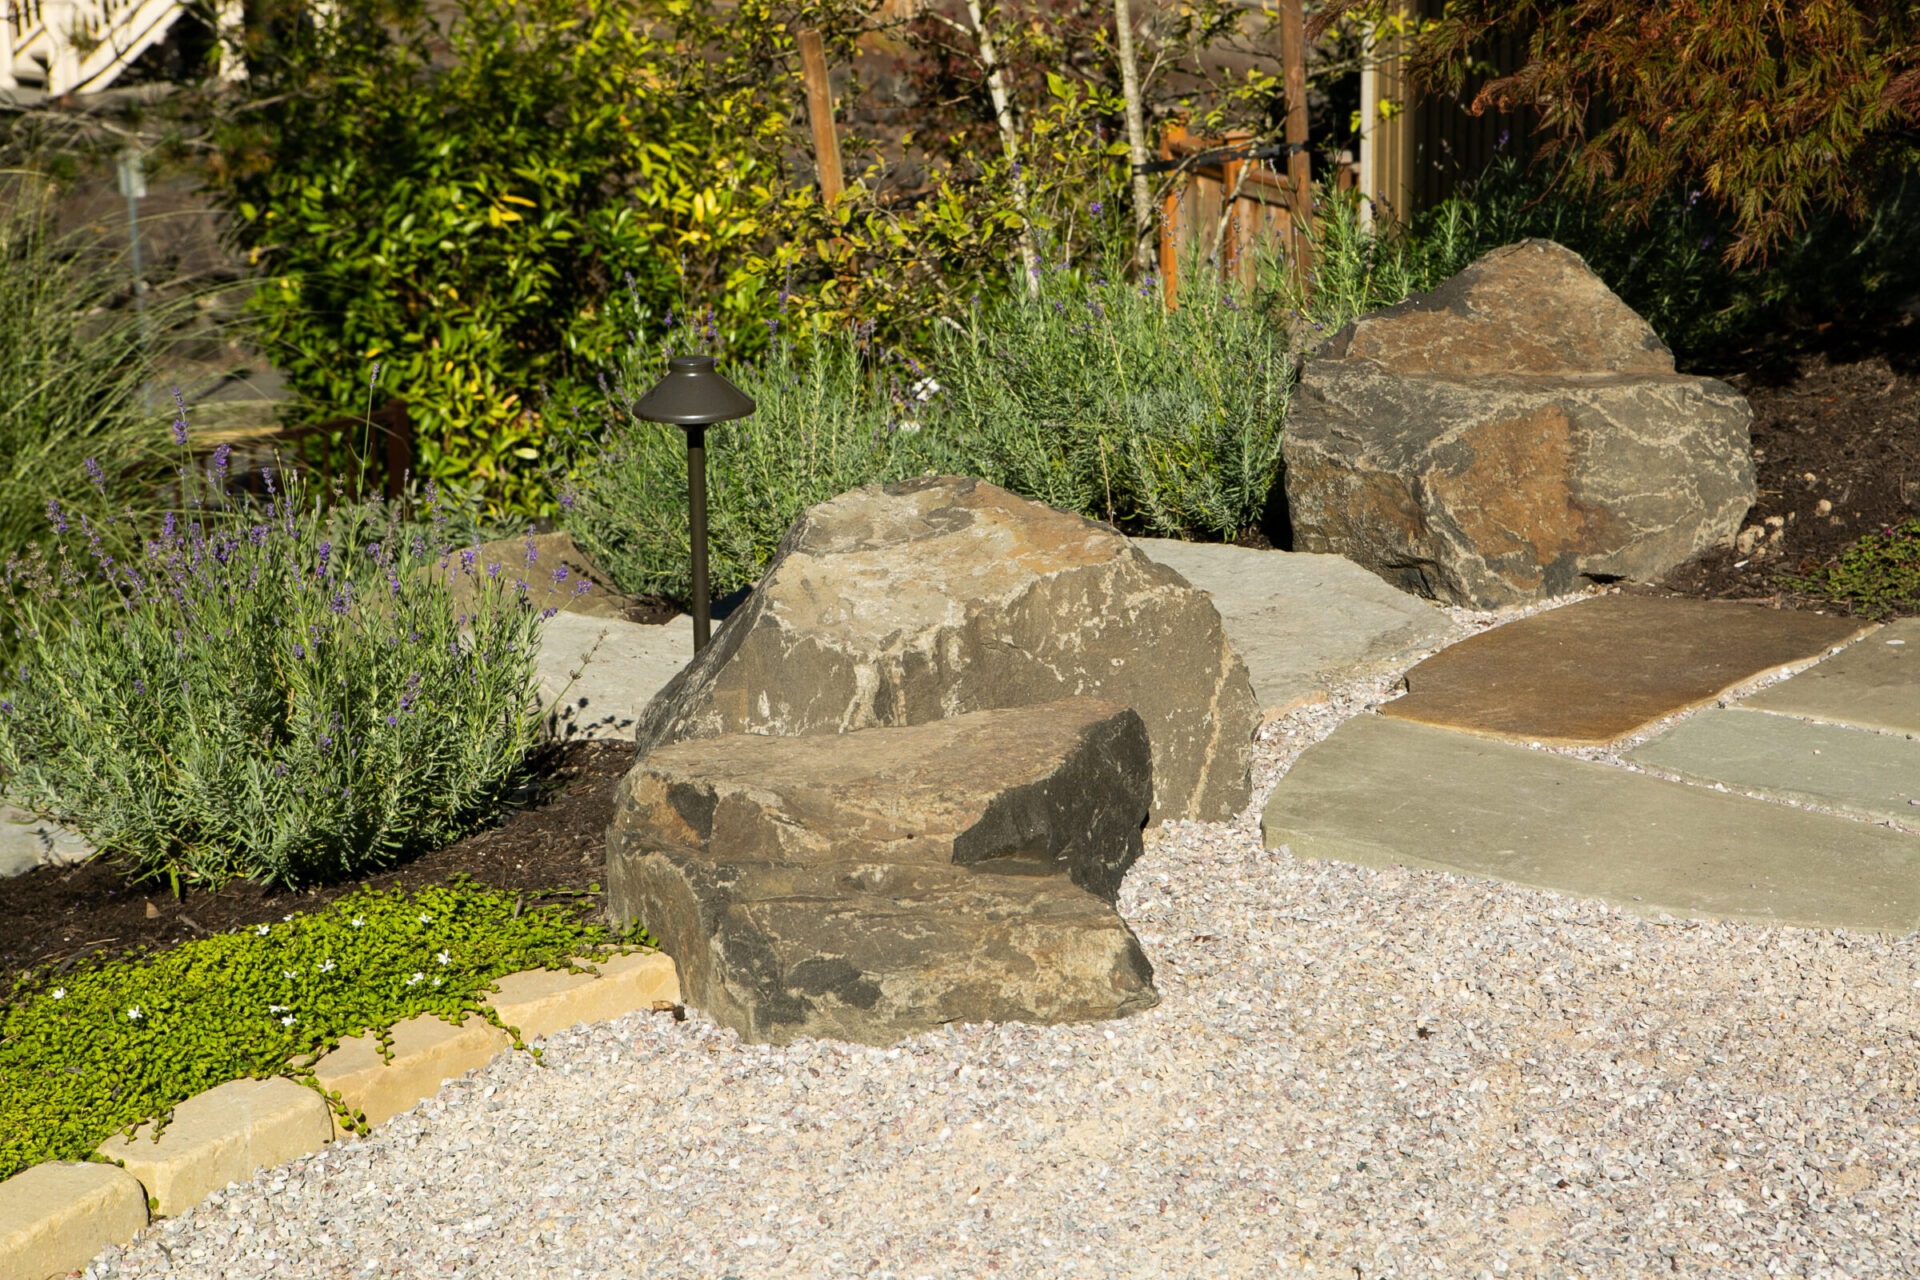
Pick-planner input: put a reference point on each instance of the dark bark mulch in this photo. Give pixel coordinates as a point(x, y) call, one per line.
point(1836, 419)
point(554, 839)
point(1841, 408)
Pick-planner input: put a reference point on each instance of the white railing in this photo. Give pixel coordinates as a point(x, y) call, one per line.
point(82, 46)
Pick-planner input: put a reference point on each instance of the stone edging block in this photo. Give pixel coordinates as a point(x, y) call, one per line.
point(56, 1217)
point(222, 1136)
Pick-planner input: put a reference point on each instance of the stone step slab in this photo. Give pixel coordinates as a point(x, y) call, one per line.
point(1593, 672)
point(1381, 792)
point(1304, 622)
point(1873, 685)
point(1059, 787)
point(223, 1135)
point(875, 884)
point(55, 1217)
point(876, 952)
point(1866, 775)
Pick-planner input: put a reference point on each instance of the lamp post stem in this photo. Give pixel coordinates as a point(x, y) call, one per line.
point(697, 508)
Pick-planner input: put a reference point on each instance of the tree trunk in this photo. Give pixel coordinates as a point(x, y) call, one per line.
point(1009, 142)
point(1136, 137)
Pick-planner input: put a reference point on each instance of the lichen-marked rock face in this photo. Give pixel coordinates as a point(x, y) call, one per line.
point(1516, 434)
point(906, 603)
point(875, 884)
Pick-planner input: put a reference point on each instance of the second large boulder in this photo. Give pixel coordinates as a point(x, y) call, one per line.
point(905, 603)
point(1515, 434)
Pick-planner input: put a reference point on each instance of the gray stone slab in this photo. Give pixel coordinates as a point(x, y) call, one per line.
point(26, 842)
point(1874, 684)
point(1303, 622)
point(1381, 792)
point(1875, 776)
point(632, 663)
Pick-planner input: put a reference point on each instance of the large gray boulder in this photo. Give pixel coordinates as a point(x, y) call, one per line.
point(1515, 434)
point(872, 885)
point(905, 603)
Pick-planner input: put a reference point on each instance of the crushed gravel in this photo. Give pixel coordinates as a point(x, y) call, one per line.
point(1352, 1073)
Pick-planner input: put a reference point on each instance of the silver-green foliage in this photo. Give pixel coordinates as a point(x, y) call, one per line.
point(824, 423)
point(268, 690)
point(77, 369)
point(1088, 394)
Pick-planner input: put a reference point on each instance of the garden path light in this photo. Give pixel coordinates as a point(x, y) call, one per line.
point(694, 396)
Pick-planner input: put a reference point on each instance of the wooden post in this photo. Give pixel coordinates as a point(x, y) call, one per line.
point(1170, 222)
point(826, 140)
point(399, 433)
point(1293, 54)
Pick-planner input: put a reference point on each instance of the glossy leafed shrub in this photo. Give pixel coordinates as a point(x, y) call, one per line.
point(270, 691)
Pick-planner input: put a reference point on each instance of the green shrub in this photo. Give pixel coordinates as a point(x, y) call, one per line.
point(1089, 395)
point(111, 1045)
point(78, 374)
point(458, 193)
point(1876, 577)
point(267, 691)
point(827, 420)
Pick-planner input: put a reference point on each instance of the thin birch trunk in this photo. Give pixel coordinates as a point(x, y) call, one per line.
point(1009, 142)
point(1136, 136)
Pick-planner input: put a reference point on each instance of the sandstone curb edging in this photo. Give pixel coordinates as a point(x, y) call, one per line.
point(56, 1217)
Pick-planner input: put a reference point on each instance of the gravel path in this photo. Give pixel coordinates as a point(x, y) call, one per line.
point(1352, 1074)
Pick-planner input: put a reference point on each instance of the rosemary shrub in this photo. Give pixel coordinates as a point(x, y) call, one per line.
point(269, 691)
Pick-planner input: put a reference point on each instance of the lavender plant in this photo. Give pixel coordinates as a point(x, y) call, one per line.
point(271, 690)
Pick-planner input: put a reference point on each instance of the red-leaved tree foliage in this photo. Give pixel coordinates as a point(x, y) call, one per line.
point(1774, 108)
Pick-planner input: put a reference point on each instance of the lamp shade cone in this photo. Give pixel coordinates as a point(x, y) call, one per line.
point(693, 394)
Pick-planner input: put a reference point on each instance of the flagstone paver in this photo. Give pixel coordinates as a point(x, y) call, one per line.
point(1874, 684)
point(1874, 776)
point(1303, 622)
point(1596, 671)
point(1381, 791)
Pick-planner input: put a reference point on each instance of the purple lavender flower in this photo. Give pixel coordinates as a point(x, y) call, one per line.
point(548, 612)
point(259, 534)
point(55, 517)
point(266, 475)
point(467, 558)
point(1096, 207)
point(220, 456)
point(391, 721)
point(567, 500)
point(560, 574)
point(299, 650)
point(95, 474)
point(179, 417)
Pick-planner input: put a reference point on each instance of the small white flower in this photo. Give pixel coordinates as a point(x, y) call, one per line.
point(287, 919)
point(444, 958)
point(261, 929)
point(276, 1008)
point(426, 919)
point(287, 1021)
point(926, 389)
point(358, 921)
point(59, 993)
point(416, 979)
point(326, 966)
point(134, 1014)
point(437, 981)
point(290, 973)
point(908, 427)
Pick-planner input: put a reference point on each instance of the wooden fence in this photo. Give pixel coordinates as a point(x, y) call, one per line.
point(388, 432)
